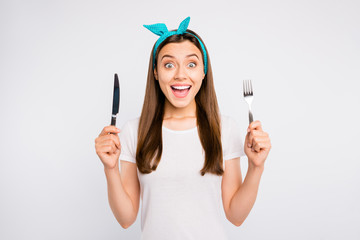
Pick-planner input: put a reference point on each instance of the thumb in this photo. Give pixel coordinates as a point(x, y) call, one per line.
point(247, 139)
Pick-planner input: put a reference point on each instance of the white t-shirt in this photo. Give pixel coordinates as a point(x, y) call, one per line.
point(177, 202)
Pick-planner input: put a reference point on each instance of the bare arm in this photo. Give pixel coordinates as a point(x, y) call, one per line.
point(123, 188)
point(244, 198)
point(240, 197)
point(120, 202)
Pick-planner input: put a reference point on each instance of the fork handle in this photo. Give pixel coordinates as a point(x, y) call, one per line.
point(250, 117)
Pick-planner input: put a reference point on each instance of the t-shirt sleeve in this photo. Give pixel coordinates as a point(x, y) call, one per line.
point(233, 146)
point(128, 142)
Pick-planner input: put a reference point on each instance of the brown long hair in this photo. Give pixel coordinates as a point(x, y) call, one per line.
point(149, 146)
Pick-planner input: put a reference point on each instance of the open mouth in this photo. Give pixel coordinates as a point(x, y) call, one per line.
point(180, 91)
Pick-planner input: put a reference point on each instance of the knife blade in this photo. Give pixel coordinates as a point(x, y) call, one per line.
point(116, 100)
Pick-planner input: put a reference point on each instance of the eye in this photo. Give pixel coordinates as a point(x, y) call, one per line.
point(192, 64)
point(168, 65)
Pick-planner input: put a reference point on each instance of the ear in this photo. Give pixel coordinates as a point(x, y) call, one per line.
point(155, 74)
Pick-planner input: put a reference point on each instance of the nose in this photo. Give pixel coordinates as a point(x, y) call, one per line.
point(181, 73)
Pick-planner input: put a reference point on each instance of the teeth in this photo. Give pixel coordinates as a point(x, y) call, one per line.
point(181, 87)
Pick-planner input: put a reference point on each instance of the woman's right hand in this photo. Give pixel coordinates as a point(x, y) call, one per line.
point(108, 147)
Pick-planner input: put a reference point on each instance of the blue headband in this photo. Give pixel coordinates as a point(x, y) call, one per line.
point(161, 30)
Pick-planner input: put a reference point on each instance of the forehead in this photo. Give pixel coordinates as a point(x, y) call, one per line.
point(180, 49)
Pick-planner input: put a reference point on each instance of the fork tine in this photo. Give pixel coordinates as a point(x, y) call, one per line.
point(251, 89)
point(247, 87)
point(248, 96)
point(244, 89)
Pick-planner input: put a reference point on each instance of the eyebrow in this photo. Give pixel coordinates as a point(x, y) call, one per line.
point(190, 55)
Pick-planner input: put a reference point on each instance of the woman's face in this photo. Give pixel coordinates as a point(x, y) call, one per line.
point(180, 71)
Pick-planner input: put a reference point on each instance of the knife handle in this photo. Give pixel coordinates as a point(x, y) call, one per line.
point(113, 120)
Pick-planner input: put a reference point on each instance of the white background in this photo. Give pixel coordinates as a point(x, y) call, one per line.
point(57, 60)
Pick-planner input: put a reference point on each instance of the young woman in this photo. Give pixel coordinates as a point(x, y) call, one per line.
point(181, 156)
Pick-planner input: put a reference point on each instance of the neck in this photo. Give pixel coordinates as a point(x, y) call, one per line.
point(173, 112)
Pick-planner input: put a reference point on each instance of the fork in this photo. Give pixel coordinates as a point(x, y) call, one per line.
point(248, 96)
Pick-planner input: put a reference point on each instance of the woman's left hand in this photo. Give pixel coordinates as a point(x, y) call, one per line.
point(257, 144)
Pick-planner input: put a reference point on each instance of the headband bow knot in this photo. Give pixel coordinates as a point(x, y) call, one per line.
point(161, 30)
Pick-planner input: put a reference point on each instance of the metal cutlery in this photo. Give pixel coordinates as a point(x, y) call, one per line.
point(116, 100)
point(248, 96)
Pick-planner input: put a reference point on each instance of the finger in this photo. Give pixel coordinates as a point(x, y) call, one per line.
point(260, 143)
point(106, 149)
point(260, 139)
point(254, 143)
point(254, 133)
point(110, 147)
point(105, 142)
point(259, 133)
point(109, 129)
point(255, 125)
point(104, 139)
point(249, 139)
point(113, 148)
point(115, 142)
point(253, 139)
point(104, 146)
point(115, 139)
point(258, 146)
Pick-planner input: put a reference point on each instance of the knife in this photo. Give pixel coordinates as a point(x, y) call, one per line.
point(116, 100)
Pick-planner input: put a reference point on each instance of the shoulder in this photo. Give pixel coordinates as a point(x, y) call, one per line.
point(130, 128)
point(132, 124)
point(227, 122)
point(128, 140)
point(231, 138)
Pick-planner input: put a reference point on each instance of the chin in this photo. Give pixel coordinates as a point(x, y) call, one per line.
point(179, 105)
